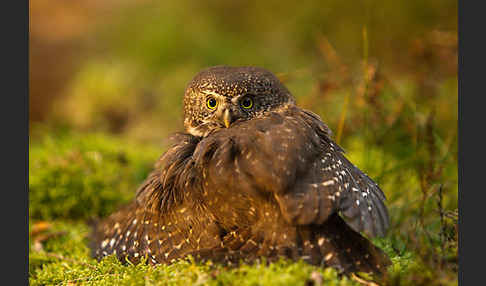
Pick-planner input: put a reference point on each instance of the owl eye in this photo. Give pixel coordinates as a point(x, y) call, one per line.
point(211, 103)
point(246, 102)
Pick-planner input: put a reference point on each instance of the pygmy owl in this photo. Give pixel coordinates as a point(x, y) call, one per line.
point(252, 176)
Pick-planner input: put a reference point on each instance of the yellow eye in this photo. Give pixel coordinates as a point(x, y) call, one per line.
point(211, 103)
point(246, 102)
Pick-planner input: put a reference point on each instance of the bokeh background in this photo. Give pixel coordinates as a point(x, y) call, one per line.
point(107, 80)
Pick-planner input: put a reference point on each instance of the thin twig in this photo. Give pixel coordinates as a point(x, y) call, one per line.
point(342, 119)
point(442, 226)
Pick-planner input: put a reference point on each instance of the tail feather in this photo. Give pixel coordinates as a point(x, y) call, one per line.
point(343, 248)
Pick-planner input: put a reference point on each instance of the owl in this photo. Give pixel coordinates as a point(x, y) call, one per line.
point(252, 176)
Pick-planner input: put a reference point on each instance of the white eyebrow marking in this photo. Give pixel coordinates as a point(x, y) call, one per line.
point(209, 92)
point(236, 98)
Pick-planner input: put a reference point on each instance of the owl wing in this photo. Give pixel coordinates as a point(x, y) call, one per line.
point(289, 155)
point(165, 221)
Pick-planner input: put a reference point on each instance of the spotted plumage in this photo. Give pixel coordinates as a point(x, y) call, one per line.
point(252, 176)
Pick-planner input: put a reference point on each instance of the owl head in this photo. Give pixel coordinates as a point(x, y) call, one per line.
point(221, 96)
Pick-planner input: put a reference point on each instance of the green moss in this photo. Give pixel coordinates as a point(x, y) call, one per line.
point(81, 176)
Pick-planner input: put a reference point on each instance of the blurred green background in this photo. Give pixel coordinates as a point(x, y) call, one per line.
point(107, 80)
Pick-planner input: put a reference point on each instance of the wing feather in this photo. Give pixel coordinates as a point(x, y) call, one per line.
point(289, 156)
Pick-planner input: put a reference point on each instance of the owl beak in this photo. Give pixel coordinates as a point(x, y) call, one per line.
point(227, 118)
